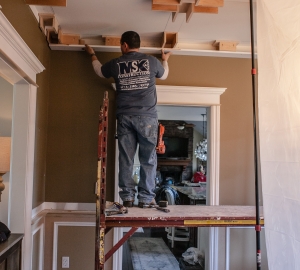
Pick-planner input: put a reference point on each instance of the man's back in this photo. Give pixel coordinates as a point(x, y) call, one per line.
point(135, 74)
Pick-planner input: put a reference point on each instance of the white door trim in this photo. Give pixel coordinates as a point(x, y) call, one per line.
point(19, 66)
point(197, 97)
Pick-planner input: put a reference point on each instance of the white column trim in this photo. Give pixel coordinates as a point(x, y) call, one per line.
point(29, 173)
point(227, 244)
point(214, 154)
point(213, 176)
point(39, 229)
point(19, 66)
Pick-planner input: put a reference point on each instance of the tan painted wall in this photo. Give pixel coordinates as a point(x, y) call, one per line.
point(71, 240)
point(75, 239)
point(6, 100)
point(74, 103)
point(76, 94)
point(22, 19)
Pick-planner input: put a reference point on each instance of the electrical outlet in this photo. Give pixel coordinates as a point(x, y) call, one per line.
point(65, 262)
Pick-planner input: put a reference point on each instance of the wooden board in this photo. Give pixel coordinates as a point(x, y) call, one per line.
point(225, 45)
point(60, 3)
point(68, 38)
point(210, 3)
point(187, 216)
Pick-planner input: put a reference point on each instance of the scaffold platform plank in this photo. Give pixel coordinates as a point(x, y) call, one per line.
point(187, 216)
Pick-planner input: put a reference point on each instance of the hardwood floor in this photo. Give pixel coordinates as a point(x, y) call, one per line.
point(179, 247)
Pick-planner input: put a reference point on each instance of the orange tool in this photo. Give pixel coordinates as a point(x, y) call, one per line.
point(160, 147)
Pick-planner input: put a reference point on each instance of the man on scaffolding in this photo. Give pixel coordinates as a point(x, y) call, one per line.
point(137, 124)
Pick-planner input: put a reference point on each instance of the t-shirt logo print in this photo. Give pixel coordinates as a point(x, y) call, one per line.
point(133, 66)
point(134, 74)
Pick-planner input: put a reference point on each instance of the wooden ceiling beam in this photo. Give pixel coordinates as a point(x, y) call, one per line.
point(210, 3)
point(59, 3)
point(172, 8)
point(190, 12)
point(174, 16)
point(165, 2)
point(199, 9)
point(186, 1)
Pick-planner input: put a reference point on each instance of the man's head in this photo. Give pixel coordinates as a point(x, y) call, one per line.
point(130, 41)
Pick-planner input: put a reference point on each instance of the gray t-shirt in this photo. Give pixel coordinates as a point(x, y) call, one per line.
point(134, 74)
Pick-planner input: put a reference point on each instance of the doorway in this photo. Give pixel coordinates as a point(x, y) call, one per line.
point(191, 97)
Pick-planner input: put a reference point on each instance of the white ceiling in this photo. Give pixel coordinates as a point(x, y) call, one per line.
point(96, 18)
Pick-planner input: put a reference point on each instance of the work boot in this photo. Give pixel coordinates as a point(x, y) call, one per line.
point(151, 204)
point(128, 203)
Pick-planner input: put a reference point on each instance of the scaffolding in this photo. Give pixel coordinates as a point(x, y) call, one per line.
point(179, 215)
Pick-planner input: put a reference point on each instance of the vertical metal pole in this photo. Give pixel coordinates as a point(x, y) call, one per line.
point(101, 185)
point(253, 72)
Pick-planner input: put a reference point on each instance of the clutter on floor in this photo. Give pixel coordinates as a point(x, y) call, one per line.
point(192, 259)
point(151, 254)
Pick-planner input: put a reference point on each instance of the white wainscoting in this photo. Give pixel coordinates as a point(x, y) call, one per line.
point(39, 230)
point(55, 236)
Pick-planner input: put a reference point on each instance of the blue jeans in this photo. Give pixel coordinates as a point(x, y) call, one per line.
point(132, 131)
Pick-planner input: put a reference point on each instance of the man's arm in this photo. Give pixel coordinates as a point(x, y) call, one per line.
point(165, 57)
point(95, 62)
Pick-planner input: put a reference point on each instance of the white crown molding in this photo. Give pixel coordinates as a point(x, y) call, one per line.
point(150, 50)
point(187, 95)
point(17, 50)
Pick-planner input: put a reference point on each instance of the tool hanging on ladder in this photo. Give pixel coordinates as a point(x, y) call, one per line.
point(160, 146)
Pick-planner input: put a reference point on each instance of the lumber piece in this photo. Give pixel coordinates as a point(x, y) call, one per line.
point(48, 22)
point(170, 40)
point(210, 3)
point(223, 45)
point(190, 12)
point(52, 37)
point(199, 9)
point(172, 8)
point(58, 3)
point(174, 16)
point(165, 2)
point(92, 41)
point(111, 40)
point(68, 38)
point(186, 1)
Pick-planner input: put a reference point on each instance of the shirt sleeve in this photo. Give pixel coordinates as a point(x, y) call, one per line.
point(166, 73)
point(97, 68)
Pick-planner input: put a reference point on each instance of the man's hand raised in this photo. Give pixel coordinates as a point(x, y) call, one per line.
point(89, 49)
point(165, 56)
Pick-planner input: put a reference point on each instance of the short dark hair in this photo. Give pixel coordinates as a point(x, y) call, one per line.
point(132, 39)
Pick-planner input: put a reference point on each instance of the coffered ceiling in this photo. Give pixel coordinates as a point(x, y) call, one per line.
point(96, 22)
